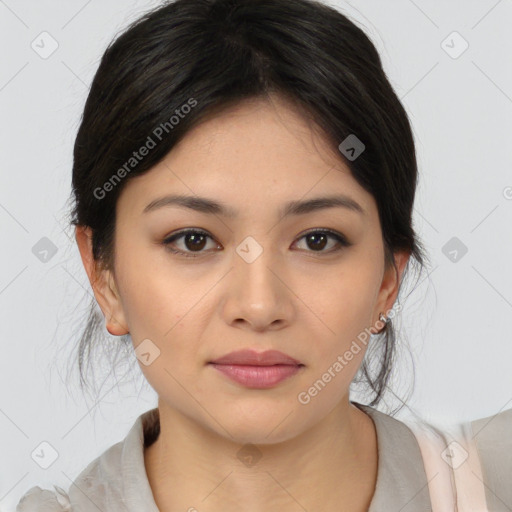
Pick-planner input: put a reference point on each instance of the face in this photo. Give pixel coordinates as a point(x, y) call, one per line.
point(245, 276)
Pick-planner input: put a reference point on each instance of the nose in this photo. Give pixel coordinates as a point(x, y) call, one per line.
point(256, 295)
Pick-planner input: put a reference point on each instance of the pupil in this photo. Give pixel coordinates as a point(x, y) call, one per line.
point(312, 237)
point(195, 238)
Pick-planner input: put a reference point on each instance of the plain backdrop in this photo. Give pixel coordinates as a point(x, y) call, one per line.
point(450, 63)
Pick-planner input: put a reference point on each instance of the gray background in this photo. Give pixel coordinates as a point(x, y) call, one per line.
point(457, 322)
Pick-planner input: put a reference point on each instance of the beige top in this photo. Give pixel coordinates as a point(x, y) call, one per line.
point(116, 481)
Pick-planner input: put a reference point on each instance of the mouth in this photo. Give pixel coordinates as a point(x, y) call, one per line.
point(258, 376)
point(255, 358)
point(259, 370)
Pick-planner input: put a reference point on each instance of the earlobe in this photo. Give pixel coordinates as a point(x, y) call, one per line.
point(102, 283)
point(115, 327)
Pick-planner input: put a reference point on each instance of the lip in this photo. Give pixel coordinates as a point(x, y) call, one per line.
point(259, 370)
point(254, 358)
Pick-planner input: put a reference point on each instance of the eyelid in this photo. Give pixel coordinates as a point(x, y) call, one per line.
point(327, 231)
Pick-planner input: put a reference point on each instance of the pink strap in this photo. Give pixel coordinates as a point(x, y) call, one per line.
point(452, 466)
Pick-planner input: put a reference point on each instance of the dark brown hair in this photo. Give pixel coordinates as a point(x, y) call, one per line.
point(218, 53)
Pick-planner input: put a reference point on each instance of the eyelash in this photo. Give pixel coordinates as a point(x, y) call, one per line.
point(337, 236)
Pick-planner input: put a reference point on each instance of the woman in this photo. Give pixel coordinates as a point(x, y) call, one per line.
point(244, 177)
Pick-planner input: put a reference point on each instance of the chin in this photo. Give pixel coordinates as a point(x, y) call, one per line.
point(259, 426)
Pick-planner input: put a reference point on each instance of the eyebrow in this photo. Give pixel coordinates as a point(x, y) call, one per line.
point(209, 206)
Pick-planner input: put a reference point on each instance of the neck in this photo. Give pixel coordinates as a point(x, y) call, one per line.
point(333, 462)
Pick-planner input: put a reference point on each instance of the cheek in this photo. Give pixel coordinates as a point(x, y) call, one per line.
point(343, 301)
point(161, 311)
point(343, 308)
point(168, 308)
point(153, 294)
point(344, 305)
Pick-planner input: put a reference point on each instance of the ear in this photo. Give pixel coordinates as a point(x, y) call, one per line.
point(390, 286)
point(103, 284)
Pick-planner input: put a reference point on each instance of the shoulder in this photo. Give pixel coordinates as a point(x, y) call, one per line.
point(493, 437)
point(469, 463)
point(113, 477)
point(43, 500)
point(88, 486)
point(495, 430)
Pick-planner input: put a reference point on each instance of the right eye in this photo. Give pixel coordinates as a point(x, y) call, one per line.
point(194, 241)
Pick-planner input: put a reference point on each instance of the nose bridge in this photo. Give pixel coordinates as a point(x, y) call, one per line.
point(255, 267)
point(256, 292)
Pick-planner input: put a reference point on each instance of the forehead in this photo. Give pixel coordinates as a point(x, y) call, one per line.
point(255, 152)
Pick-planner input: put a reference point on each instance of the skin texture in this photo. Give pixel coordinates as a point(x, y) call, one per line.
point(305, 301)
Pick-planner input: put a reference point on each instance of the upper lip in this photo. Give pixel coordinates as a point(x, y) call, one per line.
point(252, 357)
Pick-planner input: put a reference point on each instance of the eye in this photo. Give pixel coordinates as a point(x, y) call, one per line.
point(195, 240)
point(317, 239)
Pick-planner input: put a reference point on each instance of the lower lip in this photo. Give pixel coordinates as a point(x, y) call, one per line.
point(260, 377)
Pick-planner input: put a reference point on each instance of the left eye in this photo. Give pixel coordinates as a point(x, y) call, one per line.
point(195, 240)
point(318, 238)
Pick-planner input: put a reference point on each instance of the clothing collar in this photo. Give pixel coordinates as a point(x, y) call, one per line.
point(401, 479)
point(117, 480)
